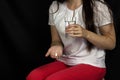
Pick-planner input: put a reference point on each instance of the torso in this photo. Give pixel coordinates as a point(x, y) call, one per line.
point(75, 51)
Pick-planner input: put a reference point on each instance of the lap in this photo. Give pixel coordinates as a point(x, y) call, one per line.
point(59, 71)
point(79, 72)
point(43, 71)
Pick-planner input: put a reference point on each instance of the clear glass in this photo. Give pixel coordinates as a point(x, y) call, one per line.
point(68, 21)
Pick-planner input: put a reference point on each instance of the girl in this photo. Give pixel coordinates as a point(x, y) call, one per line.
point(81, 31)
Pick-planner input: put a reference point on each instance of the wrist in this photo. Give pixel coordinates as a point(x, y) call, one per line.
point(56, 43)
point(86, 33)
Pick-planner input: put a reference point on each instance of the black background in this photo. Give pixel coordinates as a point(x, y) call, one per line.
point(25, 38)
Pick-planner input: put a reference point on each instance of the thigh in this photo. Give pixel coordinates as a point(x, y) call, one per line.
point(79, 72)
point(42, 72)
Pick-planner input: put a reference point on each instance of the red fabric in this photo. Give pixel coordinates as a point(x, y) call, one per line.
point(59, 71)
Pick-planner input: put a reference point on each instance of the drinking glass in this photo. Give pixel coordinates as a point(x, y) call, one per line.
point(68, 21)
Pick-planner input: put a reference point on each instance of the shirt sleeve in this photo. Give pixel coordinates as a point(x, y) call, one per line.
point(102, 14)
point(52, 10)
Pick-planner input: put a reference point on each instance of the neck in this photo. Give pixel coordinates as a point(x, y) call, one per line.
point(73, 4)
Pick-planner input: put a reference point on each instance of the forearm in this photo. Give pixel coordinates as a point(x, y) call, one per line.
point(100, 41)
point(55, 37)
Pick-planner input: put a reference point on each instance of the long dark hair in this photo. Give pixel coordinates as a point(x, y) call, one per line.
point(88, 16)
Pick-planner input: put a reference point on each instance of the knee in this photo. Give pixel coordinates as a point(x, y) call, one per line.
point(35, 75)
point(55, 77)
point(51, 78)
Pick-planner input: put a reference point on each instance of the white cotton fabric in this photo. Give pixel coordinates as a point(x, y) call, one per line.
point(75, 51)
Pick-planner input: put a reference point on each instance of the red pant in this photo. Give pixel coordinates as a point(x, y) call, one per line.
point(59, 71)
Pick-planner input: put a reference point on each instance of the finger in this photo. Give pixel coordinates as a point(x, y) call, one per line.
point(69, 28)
point(52, 55)
point(76, 35)
point(70, 32)
point(55, 55)
point(74, 28)
point(77, 32)
point(47, 54)
point(74, 25)
point(77, 29)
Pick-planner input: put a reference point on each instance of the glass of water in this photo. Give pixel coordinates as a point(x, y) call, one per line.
point(68, 21)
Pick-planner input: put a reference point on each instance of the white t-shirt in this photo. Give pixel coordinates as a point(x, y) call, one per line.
point(75, 51)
